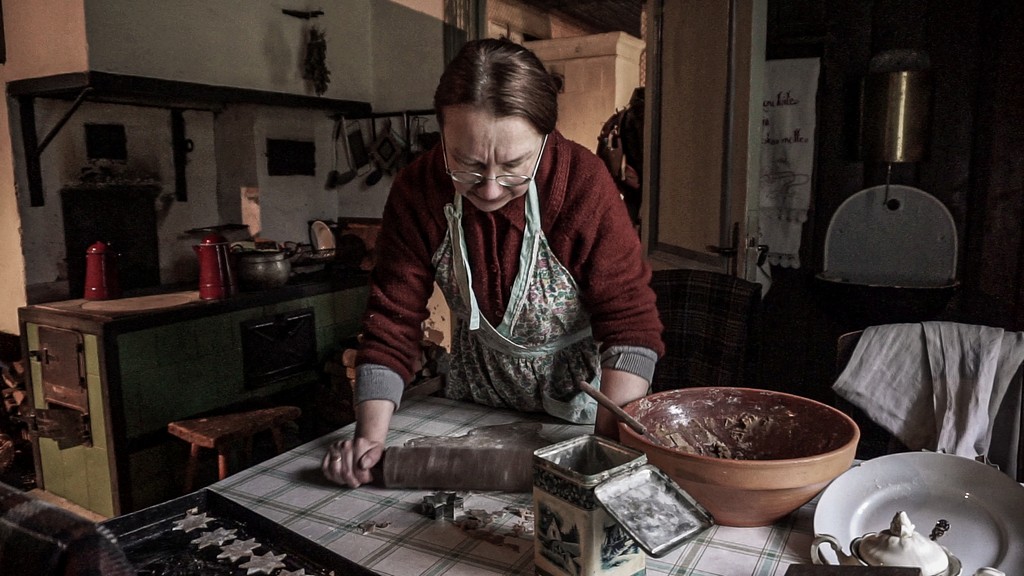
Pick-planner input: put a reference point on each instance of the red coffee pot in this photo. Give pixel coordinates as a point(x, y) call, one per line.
point(101, 278)
point(216, 276)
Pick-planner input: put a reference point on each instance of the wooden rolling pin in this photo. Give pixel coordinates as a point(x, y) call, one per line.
point(496, 458)
point(458, 468)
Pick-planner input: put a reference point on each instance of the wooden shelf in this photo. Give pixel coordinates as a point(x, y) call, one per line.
point(123, 89)
point(157, 92)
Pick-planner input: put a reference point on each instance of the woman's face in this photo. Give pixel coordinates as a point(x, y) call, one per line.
point(476, 141)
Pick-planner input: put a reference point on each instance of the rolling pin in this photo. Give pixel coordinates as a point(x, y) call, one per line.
point(498, 458)
point(458, 468)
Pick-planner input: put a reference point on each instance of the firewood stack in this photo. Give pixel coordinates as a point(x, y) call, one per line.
point(15, 401)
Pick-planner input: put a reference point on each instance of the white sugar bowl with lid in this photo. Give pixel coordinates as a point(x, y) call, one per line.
point(899, 545)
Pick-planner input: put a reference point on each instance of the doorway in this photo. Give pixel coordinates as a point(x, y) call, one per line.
point(705, 63)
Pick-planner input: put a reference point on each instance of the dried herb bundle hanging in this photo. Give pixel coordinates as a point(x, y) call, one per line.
point(315, 69)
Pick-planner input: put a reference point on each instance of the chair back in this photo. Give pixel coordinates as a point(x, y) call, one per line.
point(874, 440)
point(877, 441)
point(711, 329)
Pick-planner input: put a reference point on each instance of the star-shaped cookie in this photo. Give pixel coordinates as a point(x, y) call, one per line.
point(266, 563)
point(239, 549)
point(218, 537)
point(192, 521)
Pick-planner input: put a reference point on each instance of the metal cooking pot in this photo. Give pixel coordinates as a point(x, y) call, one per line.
point(262, 269)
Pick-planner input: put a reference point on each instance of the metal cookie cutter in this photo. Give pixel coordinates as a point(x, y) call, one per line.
point(442, 505)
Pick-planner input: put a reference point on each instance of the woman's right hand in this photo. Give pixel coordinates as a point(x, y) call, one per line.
point(350, 462)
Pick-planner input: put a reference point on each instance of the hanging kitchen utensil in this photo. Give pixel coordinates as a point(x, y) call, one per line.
point(386, 148)
point(385, 151)
point(378, 171)
point(374, 176)
point(350, 174)
point(356, 148)
point(334, 177)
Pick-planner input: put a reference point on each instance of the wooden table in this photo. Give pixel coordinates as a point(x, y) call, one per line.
point(290, 489)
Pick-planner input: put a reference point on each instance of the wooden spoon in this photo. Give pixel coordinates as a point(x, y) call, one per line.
point(615, 409)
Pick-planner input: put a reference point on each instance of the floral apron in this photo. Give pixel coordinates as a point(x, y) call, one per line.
point(543, 346)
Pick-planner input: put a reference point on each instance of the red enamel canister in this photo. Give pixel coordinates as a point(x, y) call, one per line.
point(216, 276)
point(101, 277)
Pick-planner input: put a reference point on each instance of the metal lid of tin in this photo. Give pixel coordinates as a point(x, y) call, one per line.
point(653, 509)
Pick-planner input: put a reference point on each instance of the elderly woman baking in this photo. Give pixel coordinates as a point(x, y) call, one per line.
point(528, 238)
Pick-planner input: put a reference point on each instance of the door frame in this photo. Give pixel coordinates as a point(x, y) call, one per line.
point(740, 158)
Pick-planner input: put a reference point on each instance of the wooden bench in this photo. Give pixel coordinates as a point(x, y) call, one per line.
point(222, 432)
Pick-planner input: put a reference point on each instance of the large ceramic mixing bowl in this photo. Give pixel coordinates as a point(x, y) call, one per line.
point(749, 456)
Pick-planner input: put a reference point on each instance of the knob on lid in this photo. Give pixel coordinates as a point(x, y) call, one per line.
point(900, 545)
point(98, 247)
point(213, 238)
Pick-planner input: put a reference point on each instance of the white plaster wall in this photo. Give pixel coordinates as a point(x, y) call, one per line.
point(44, 37)
point(148, 134)
point(41, 37)
point(408, 56)
point(287, 203)
point(178, 261)
point(12, 281)
point(235, 155)
point(242, 43)
point(388, 53)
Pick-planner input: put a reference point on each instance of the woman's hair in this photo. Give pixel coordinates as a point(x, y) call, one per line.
point(503, 78)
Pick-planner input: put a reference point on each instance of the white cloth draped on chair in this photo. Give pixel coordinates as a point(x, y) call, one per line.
point(942, 386)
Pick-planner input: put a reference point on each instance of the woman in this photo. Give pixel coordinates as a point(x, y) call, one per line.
point(526, 234)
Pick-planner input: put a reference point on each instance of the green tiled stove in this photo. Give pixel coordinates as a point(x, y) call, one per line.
point(104, 384)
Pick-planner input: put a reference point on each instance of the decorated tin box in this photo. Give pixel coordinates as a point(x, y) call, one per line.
point(599, 509)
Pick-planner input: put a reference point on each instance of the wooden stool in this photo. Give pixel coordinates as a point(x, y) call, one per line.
point(220, 432)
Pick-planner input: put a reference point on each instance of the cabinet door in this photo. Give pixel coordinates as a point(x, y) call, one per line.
point(81, 472)
point(707, 61)
point(62, 369)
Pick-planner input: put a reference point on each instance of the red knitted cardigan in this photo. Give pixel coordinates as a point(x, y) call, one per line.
point(582, 216)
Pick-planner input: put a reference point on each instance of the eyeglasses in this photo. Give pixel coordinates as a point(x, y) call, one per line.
point(473, 178)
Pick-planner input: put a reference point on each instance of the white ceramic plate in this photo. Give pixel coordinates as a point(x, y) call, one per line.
point(323, 236)
point(984, 507)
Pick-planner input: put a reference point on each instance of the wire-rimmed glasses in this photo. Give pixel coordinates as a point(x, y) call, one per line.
point(469, 178)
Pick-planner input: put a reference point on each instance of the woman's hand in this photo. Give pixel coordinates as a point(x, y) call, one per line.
point(350, 462)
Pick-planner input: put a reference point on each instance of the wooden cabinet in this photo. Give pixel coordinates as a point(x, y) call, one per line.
point(105, 384)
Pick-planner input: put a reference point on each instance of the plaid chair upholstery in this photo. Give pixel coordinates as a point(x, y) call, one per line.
point(711, 329)
point(39, 538)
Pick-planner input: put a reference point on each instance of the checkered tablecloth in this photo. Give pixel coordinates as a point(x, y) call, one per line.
point(385, 530)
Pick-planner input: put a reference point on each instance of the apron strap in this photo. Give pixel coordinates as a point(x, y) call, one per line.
point(527, 258)
point(463, 275)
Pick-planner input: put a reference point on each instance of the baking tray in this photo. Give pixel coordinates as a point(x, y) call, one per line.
point(155, 547)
